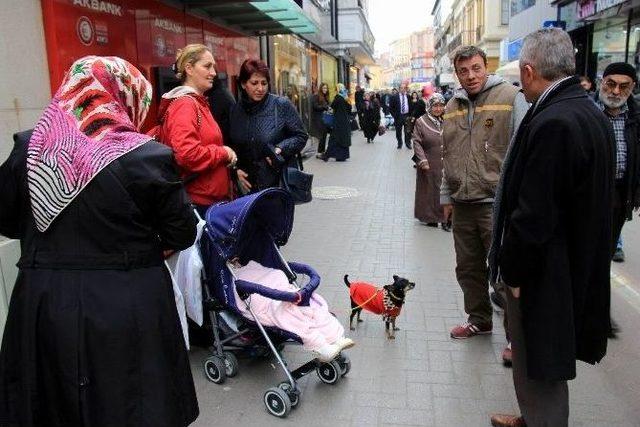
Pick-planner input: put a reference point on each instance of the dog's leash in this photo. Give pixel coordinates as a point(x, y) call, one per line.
point(367, 301)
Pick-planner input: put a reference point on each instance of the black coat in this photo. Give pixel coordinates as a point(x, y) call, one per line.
point(370, 119)
point(92, 335)
point(341, 132)
point(417, 109)
point(395, 106)
point(221, 103)
point(257, 128)
point(555, 213)
point(318, 128)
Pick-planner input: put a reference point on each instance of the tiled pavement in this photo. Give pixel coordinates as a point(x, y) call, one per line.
point(423, 378)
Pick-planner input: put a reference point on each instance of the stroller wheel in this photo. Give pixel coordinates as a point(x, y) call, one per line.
point(294, 394)
point(329, 373)
point(230, 364)
point(277, 402)
point(345, 365)
point(214, 369)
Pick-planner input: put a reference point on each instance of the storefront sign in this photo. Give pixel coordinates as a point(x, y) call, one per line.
point(513, 50)
point(100, 6)
point(606, 4)
point(586, 9)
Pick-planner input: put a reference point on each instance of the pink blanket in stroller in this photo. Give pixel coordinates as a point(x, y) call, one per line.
point(314, 324)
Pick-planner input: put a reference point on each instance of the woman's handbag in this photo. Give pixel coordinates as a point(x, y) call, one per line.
point(328, 119)
point(354, 123)
point(297, 182)
point(381, 130)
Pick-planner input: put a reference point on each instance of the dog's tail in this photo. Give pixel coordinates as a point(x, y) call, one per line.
point(346, 280)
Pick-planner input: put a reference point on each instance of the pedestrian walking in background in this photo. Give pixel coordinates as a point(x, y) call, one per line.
point(479, 122)
point(340, 137)
point(358, 98)
point(427, 146)
point(416, 110)
point(552, 237)
point(370, 117)
point(588, 85)
point(187, 126)
point(319, 104)
point(92, 336)
point(266, 130)
point(399, 108)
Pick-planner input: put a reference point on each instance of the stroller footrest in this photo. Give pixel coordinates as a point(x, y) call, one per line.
point(304, 369)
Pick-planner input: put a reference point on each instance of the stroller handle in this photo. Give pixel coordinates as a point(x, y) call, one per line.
point(301, 297)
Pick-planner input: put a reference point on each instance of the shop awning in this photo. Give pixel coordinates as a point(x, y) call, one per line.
point(259, 17)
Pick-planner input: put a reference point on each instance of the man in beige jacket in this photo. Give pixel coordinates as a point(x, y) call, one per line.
point(479, 122)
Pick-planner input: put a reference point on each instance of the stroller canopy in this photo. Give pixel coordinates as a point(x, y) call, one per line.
point(231, 225)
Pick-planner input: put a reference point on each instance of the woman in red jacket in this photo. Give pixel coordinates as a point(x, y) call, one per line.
point(188, 127)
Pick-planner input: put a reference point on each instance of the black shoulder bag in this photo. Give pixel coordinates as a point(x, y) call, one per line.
point(294, 180)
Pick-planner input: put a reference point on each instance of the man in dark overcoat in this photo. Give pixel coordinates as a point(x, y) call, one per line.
point(552, 233)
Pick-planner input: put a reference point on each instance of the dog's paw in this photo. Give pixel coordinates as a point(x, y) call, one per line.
point(352, 328)
point(392, 337)
point(396, 329)
point(360, 320)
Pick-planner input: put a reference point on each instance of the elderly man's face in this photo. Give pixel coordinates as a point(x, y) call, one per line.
point(472, 74)
point(615, 90)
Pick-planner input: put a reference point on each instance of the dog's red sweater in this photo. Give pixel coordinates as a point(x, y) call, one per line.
point(361, 292)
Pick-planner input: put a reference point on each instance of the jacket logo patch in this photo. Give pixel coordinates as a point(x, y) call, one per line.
point(488, 123)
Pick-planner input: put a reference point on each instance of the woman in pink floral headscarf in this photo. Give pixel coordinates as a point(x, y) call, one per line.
point(92, 335)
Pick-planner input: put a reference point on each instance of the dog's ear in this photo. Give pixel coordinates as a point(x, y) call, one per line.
point(395, 278)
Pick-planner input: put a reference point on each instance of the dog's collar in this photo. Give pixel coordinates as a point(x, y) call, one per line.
point(394, 298)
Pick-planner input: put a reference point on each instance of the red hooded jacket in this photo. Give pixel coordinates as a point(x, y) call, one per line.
point(187, 126)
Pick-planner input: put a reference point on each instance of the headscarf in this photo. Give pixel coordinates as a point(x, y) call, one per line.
point(342, 91)
point(92, 120)
point(435, 98)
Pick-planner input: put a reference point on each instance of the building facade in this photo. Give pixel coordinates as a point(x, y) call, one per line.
point(422, 54)
point(602, 31)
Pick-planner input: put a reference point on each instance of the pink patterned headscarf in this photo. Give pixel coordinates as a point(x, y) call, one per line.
point(91, 121)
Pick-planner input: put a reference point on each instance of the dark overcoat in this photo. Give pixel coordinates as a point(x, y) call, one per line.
point(341, 132)
point(254, 127)
point(92, 336)
point(370, 119)
point(555, 213)
point(318, 106)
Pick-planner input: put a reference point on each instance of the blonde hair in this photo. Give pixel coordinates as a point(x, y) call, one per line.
point(190, 54)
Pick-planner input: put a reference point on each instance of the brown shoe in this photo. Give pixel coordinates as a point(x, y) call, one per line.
point(506, 356)
point(504, 420)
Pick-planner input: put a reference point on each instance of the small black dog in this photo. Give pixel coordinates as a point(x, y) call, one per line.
point(386, 301)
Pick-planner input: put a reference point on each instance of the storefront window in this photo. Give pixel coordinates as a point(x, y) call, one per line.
point(329, 73)
point(291, 72)
point(634, 45)
point(609, 39)
point(353, 82)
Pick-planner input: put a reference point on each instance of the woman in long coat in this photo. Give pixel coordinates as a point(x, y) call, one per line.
point(319, 104)
point(427, 146)
point(92, 336)
point(340, 138)
point(370, 116)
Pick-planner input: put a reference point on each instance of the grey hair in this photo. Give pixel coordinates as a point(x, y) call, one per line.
point(550, 52)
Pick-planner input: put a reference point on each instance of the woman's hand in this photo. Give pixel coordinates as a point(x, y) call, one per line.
point(243, 179)
point(424, 165)
point(231, 155)
point(277, 150)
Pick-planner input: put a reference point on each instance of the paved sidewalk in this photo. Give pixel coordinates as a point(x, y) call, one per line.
point(423, 378)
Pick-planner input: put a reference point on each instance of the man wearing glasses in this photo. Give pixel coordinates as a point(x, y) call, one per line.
point(615, 100)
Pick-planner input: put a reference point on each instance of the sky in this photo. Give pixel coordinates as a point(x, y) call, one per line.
point(393, 19)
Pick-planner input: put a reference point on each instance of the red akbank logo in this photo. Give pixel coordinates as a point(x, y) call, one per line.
point(100, 6)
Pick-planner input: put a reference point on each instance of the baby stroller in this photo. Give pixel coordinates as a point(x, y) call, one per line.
point(253, 227)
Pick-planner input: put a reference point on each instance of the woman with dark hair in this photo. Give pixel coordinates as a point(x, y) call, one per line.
point(92, 334)
point(588, 86)
point(417, 108)
point(340, 138)
point(265, 130)
point(319, 104)
point(370, 116)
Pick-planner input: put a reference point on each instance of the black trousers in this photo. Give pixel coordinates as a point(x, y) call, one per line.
point(398, 122)
point(619, 215)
